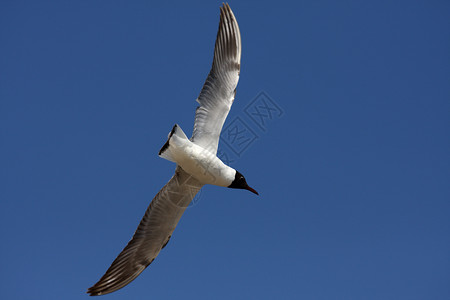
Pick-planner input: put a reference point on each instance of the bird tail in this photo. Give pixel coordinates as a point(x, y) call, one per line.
point(175, 140)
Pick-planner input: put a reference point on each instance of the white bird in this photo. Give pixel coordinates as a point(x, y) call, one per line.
point(197, 163)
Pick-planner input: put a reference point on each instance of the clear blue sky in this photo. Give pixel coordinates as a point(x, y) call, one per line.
point(353, 171)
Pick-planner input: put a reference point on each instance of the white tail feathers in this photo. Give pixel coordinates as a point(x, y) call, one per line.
point(175, 139)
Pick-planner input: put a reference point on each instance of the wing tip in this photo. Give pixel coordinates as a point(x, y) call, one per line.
point(99, 288)
point(92, 291)
point(228, 40)
point(111, 281)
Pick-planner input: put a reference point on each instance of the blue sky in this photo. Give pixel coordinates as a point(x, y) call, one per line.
point(353, 169)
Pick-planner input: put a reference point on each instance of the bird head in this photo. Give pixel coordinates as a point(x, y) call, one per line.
point(239, 182)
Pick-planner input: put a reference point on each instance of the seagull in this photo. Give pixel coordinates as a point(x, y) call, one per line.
point(196, 159)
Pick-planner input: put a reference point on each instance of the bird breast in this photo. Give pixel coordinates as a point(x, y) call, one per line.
point(203, 165)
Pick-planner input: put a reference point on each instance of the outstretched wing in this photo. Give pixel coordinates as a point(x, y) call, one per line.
point(219, 90)
point(152, 234)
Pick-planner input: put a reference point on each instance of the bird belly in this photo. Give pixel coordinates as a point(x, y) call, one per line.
point(203, 165)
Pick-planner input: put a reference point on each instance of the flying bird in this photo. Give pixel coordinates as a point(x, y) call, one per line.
point(196, 159)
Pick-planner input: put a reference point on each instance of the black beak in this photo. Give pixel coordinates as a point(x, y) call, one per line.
point(251, 190)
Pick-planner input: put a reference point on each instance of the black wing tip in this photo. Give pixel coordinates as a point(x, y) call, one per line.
point(93, 292)
point(110, 283)
point(226, 14)
point(227, 50)
point(225, 9)
point(99, 289)
point(226, 6)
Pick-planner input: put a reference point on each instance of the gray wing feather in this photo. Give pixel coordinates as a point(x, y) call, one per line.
point(219, 90)
point(152, 234)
